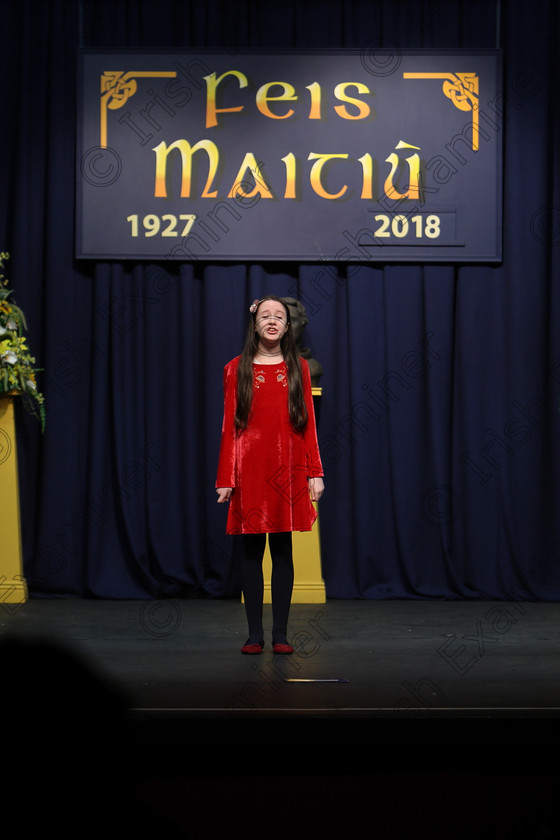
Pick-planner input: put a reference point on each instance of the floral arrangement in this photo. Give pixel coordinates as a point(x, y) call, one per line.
point(17, 365)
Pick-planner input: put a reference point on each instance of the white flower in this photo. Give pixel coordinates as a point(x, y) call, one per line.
point(31, 385)
point(9, 356)
point(10, 326)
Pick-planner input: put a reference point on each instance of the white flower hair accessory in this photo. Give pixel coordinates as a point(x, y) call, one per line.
point(254, 306)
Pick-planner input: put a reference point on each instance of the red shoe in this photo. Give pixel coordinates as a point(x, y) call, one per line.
point(278, 648)
point(252, 649)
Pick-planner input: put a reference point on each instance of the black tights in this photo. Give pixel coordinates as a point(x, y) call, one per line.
point(282, 583)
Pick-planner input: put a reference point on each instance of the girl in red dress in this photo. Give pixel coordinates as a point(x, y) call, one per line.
point(269, 467)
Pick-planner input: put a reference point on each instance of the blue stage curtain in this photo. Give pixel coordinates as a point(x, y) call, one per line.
point(438, 423)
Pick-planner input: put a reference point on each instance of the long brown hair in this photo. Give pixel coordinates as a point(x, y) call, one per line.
point(296, 402)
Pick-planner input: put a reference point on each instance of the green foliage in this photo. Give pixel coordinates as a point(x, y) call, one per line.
point(17, 365)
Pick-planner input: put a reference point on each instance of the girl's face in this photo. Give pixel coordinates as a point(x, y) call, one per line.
point(271, 321)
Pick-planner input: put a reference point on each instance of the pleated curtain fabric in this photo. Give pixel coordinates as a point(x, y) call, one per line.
point(438, 422)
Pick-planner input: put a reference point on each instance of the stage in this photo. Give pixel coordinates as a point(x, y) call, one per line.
point(381, 661)
point(453, 700)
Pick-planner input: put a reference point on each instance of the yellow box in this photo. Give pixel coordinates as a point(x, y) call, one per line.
point(309, 587)
point(13, 587)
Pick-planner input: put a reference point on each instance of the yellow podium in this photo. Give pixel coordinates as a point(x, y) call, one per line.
point(13, 587)
point(309, 587)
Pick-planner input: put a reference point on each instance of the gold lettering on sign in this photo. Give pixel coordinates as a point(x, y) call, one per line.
point(413, 162)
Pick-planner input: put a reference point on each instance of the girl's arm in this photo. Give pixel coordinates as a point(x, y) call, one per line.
point(225, 479)
point(313, 458)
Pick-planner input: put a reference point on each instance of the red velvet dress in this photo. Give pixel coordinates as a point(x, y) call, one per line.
point(269, 462)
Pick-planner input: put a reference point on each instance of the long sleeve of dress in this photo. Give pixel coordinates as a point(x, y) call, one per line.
point(227, 458)
point(312, 455)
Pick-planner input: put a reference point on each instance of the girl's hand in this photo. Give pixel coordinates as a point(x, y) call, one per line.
point(316, 488)
point(224, 494)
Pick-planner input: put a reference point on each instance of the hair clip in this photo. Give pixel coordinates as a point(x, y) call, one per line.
point(254, 306)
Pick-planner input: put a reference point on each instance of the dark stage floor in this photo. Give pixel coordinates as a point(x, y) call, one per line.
point(466, 694)
point(397, 660)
